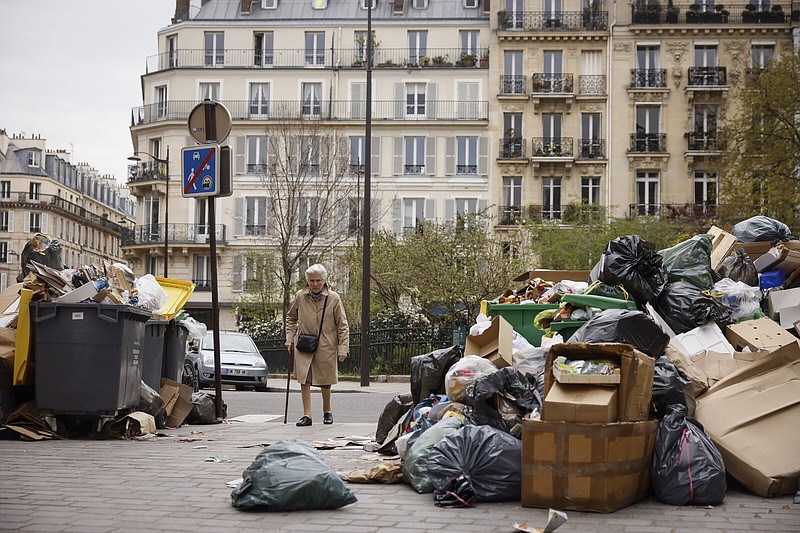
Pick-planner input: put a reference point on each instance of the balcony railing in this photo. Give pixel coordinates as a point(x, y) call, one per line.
point(177, 233)
point(512, 148)
point(592, 149)
point(707, 210)
point(649, 78)
point(349, 57)
point(146, 171)
point(652, 12)
point(336, 110)
point(60, 204)
point(467, 169)
point(551, 83)
point(591, 84)
point(551, 147)
point(201, 284)
point(587, 20)
point(648, 142)
point(413, 169)
point(508, 215)
point(513, 85)
point(704, 141)
point(705, 76)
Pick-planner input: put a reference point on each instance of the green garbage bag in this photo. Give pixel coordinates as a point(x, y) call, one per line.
point(690, 261)
point(290, 476)
point(415, 466)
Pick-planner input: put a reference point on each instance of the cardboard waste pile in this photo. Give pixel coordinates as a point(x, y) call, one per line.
point(656, 372)
point(75, 344)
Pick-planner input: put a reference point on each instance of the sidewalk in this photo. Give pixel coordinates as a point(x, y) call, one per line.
point(165, 484)
point(377, 384)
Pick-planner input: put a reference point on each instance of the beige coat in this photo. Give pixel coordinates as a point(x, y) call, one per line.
point(304, 317)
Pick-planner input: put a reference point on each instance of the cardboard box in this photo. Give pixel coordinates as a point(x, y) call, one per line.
point(716, 366)
point(554, 275)
point(586, 467)
point(787, 301)
point(585, 379)
point(722, 245)
point(181, 405)
point(752, 416)
point(636, 374)
point(8, 340)
point(762, 334)
point(494, 344)
point(587, 404)
point(778, 258)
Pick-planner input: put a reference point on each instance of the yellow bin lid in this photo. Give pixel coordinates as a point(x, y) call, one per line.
point(178, 293)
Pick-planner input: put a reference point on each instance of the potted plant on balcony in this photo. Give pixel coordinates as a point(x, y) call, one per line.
point(502, 20)
point(693, 14)
point(749, 13)
point(722, 13)
point(440, 61)
point(672, 13)
point(484, 62)
point(653, 11)
point(426, 61)
point(591, 16)
point(776, 14)
point(466, 60)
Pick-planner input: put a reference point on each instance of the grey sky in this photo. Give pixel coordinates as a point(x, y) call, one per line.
point(71, 72)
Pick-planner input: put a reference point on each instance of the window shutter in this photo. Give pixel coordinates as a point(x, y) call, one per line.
point(398, 156)
point(450, 156)
point(376, 156)
point(430, 102)
point(397, 217)
point(27, 221)
point(241, 148)
point(449, 209)
point(44, 223)
point(430, 156)
point(236, 286)
point(11, 215)
point(375, 216)
point(399, 101)
point(238, 217)
point(483, 155)
point(430, 210)
point(358, 97)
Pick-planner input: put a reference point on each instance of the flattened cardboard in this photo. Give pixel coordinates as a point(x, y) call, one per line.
point(554, 275)
point(8, 341)
point(586, 467)
point(182, 407)
point(762, 334)
point(9, 298)
point(752, 416)
point(722, 245)
point(717, 366)
point(636, 374)
point(494, 344)
point(586, 404)
point(84, 292)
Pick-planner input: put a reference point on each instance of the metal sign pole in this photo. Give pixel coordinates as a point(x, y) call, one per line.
point(212, 222)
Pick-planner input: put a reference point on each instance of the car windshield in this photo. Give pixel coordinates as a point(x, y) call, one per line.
point(230, 343)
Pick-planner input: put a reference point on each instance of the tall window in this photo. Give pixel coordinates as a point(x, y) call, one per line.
point(309, 155)
point(201, 275)
point(34, 191)
point(513, 81)
point(761, 55)
point(415, 99)
point(353, 216)
point(415, 155)
point(551, 198)
point(34, 222)
point(357, 154)
point(151, 265)
point(161, 101)
point(648, 67)
point(361, 47)
point(417, 46)
point(553, 81)
point(705, 55)
point(5, 221)
point(514, 13)
point(312, 98)
point(172, 47)
point(308, 216)
point(315, 48)
point(551, 133)
point(648, 138)
point(256, 154)
point(3, 252)
point(150, 210)
point(255, 217)
point(591, 145)
point(469, 42)
point(259, 100)
point(466, 155)
point(5, 190)
point(214, 48)
point(413, 214)
point(590, 190)
point(705, 189)
point(511, 208)
point(647, 192)
point(468, 100)
point(263, 48)
point(705, 127)
point(513, 142)
point(552, 13)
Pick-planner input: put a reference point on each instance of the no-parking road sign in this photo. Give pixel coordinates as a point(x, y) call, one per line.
point(200, 170)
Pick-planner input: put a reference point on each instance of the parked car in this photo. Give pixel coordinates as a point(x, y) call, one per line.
point(241, 363)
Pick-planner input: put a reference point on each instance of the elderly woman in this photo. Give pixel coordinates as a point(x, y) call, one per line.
point(314, 306)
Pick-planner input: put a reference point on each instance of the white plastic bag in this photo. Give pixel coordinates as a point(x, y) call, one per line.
point(464, 373)
point(151, 296)
point(482, 323)
point(197, 330)
point(742, 299)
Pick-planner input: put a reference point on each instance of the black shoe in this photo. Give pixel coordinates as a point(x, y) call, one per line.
point(327, 418)
point(305, 421)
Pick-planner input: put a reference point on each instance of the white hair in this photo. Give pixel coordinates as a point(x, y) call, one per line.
point(317, 269)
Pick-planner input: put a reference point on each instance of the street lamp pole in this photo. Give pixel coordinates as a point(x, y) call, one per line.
point(164, 162)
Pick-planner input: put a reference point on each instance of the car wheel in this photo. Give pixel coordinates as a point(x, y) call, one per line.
point(190, 376)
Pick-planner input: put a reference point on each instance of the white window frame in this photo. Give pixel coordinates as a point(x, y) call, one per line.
point(414, 155)
point(467, 155)
point(413, 214)
point(471, 4)
point(309, 154)
point(269, 4)
point(707, 180)
point(314, 49)
point(465, 206)
point(590, 190)
point(34, 222)
point(264, 51)
point(257, 154)
point(551, 198)
point(209, 89)
point(34, 158)
point(5, 248)
point(5, 190)
point(417, 45)
point(308, 215)
point(214, 51)
point(259, 103)
point(416, 99)
point(311, 106)
point(644, 179)
point(35, 191)
point(419, 4)
point(367, 4)
point(201, 264)
point(357, 153)
point(255, 212)
point(6, 218)
point(469, 41)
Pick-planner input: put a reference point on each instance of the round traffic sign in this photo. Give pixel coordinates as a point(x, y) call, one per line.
point(209, 122)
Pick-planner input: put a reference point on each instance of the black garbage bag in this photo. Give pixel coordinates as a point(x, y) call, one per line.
point(761, 228)
point(739, 267)
point(415, 465)
point(671, 387)
point(685, 306)
point(7, 401)
point(502, 398)
point(43, 250)
point(290, 476)
point(204, 409)
point(150, 402)
point(628, 327)
point(394, 409)
point(428, 371)
point(690, 260)
point(476, 464)
point(633, 263)
point(687, 467)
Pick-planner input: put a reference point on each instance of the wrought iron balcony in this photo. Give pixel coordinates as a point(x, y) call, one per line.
point(586, 20)
point(648, 78)
point(414, 169)
point(508, 215)
point(201, 284)
point(551, 83)
point(705, 76)
point(467, 169)
point(147, 171)
point(699, 210)
point(513, 85)
point(648, 142)
point(512, 148)
point(652, 12)
point(551, 147)
point(333, 110)
point(178, 234)
point(589, 84)
point(60, 205)
point(592, 149)
point(704, 141)
point(255, 230)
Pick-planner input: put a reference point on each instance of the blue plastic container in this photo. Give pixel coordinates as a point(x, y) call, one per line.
point(771, 278)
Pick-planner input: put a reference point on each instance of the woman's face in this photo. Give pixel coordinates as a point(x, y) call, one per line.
point(315, 282)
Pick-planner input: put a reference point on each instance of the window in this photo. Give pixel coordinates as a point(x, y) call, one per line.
point(315, 48)
point(269, 4)
point(172, 47)
point(360, 44)
point(5, 221)
point(511, 208)
point(309, 155)
point(367, 4)
point(705, 55)
point(513, 80)
point(304, 263)
point(152, 265)
point(469, 43)
point(465, 206)
point(590, 190)
point(705, 190)
point(214, 48)
point(591, 144)
point(201, 274)
point(514, 13)
point(419, 4)
point(161, 101)
point(552, 79)
point(34, 191)
point(259, 100)
point(705, 127)
point(466, 155)
point(256, 154)
point(470, 4)
point(552, 13)
point(513, 143)
point(4, 252)
point(319, 4)
point(648, 67)
point(415, 155)
point(209, 90)
point(34, 222)
point(647, 191)
point(415, 100)
point(761, 55)
point(413, 214)
point(34, 158)
point(255, 220)
point(5, 190)
point(263, 45)
point(312, 98)
point(357, 154)
point(308, 216)
point(648, 137)
point(468, 105)
point(150, 216)
point(551, 198)
point(353, 216)
point(551, 135)
point(417, 46)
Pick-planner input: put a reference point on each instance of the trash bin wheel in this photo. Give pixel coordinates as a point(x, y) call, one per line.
point(190, 376)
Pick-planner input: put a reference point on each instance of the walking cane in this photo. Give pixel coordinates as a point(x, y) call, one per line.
point(288, 379)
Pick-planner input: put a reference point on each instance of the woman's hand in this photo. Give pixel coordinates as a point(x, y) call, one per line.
point(342, 358)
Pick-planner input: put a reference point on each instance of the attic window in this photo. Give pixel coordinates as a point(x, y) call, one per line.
point(269, 4)
point(319, 4)
point(419, 4)
point(367, 4)
point(470, 4)
point(34, 158)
